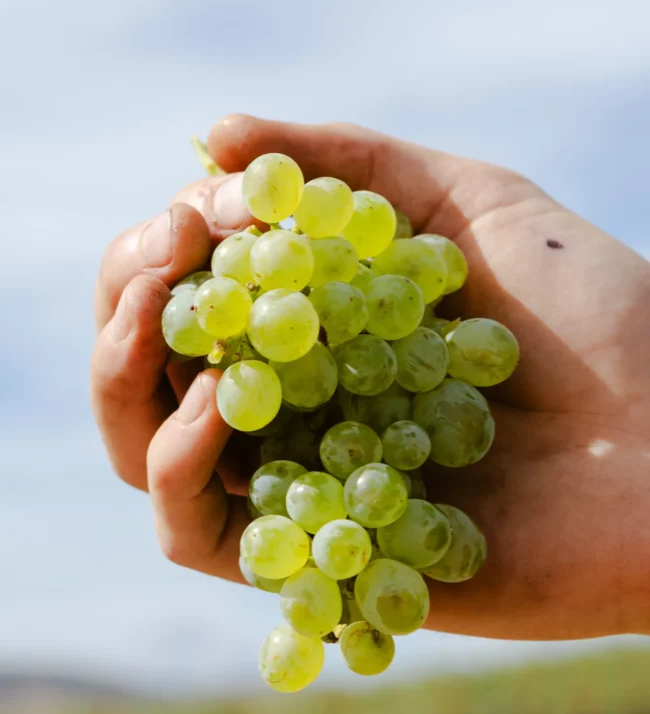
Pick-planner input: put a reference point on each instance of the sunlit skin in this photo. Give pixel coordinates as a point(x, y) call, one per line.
point(564, 495)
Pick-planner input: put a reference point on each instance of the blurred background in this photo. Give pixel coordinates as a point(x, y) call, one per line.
point(97, 102)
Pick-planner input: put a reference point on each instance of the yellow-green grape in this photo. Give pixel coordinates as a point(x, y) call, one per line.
point(231, 258)
point(453, 257)
point(364, 276)
point(289, 662)
point(404, 229)
point(325, 208)
point(235, 349)
point(482, 352)
point(392, 597)
point(311, 602)
point(222, 306)
point(192, 281)
point(314, 499)
point(378, 411)
point(181, 328)
point(309, 381)
point(375, 495)
point(272, 187)
point(249, 395)
point(266, 584)
point(341, 549)
point(419, 537)
point(395, 306)
point(372, 226)
point(367, 365)
point(347, 446)
point(457, 418)
point(406, 445)
point(269, 485)
point(418, 262)
point(335, 260)
point(366, 650)
point(274, 547)
point(466, 554)
point(422, 360)
point(341, 309)
point(282, 259)
point(283, 325)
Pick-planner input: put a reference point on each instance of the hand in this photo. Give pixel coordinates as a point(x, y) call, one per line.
point(562, 497)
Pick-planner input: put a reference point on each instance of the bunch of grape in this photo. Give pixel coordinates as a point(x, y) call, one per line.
point(334, 358)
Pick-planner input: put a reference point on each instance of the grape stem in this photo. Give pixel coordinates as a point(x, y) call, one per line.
point(208, 163)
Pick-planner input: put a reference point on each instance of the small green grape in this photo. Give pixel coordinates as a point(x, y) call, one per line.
point(289, 662)
point(269, 485)
point(335, 260)
point(309, 381)
point(406, 445)
point(366, 650)
point(367, 365)
point(347, 446)
point(311, 602)
point(341, 549)
point(314, 499)
point(453, 257)
point(363, 277)
point(282, 259)
point(181, 329)
point(274, 547)
point(375, 495)
point(231, 258)
point(422, 360)
point(395, 306)
point(325, 208)
point(372, 225)
point(192, 281)
point(222, 306)
point(341, 309)
point(272, 187)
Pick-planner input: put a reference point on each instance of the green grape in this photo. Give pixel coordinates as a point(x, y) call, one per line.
point(222, 306)
point(431, 322)
point(266, 584)
point(467, 552)
point(299, 444)
point(314, 499)
point(422, 360)
point(249, 395)
point(231, 258)
point(482, 352)
point(341, 549)
point(335, 260)
point(341, 310)
point(283, 325)
point(289, 662)
point(378, 411)
point(417, 261)
point(347, 446)
point(274, 547)
point(406, 445)
point(375, 495)
point(272, 187)
point(373, 223)
point(392, 597)
point(367, 365)
point(181, 329)
point(404, 229)
point(453, 257)
point(282, 259)
point(366, 650)
point(280, 423)
point(269, 485)
point(234, 350)
point(192, 281)
point(311, 602)
point(364, 276)
point(419, 537)
point(309, 381)
point(395, 306)
point(325, 208)
point(457, 419)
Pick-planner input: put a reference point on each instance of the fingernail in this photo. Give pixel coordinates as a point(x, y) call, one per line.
point(227, 203)
point(156, 241)
point(195, 401)
point(122, 322)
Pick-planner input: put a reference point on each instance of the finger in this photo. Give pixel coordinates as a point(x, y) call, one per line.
point(198, 524)
point(127, 372)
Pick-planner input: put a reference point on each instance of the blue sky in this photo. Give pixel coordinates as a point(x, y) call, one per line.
point(98, 103)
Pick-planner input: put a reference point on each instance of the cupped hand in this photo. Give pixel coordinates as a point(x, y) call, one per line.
point(564, 493)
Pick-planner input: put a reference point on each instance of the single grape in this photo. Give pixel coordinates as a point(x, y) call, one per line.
point(311, 602)
point(231, 258)
point(457, 419)
point(366, 650)
point(418, 262)
point(192, 281)
point(249, 395)
point(367, 365)
point(467, 553)
point(406, 445)
point(419, 537)
point(335, 260)
point(325, 208)
point(393, 597)
point(269, 485)
point(378, 411)
point(372, 225)
point(422, 360)
point(283, 325)
point(272, 187)
point(395, 306)
point(314, 499)
point(282, 259)
point(347, 446)
point(341, 549)
point(341, 309)
point(266, 584)
point(403, 229)
point(274, 547)
point(181, 329)
point(289, 662)
point(453, 257)
point(309, 381)
point(364, 276)
point(482, 352)
point(222, 306)
point(375, 495)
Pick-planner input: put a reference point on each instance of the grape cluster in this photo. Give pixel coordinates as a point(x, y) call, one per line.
point(334, 359)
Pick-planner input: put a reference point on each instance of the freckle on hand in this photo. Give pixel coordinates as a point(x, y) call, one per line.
point(552, 243)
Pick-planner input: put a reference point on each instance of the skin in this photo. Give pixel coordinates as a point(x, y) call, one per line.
point(563, 496)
